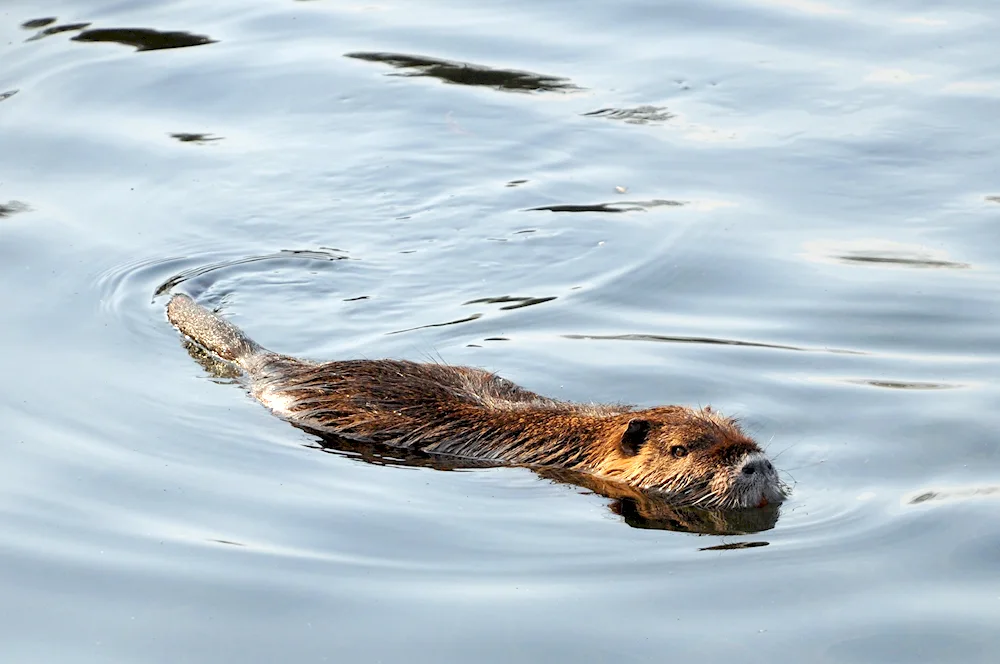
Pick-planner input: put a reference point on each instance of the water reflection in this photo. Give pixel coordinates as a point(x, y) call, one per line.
point(881, 253)
point(457, 321)
point(144, 39)
point(734, 546)
point(220, 370)
point(466, 73)
point(11, 207)
point(511, 301)
point(618, 206)
point(648, 511)
point(707, 340)
point(902, 384)
point(195, 138)
point(637, 115)
point(905, 262)
point(638, 509)
point(45, 27)
point(961, 493)
point(36, 23)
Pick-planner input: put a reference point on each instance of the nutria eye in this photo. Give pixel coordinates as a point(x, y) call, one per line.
point(679, 451)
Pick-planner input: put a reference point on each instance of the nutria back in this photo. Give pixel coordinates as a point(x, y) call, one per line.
point(694, 456)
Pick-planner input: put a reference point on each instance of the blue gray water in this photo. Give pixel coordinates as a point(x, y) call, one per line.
point(787, 209)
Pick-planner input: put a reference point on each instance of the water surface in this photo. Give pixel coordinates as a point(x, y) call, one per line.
point(784, 208)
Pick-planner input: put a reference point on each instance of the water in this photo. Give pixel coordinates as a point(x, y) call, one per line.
point(784, 208)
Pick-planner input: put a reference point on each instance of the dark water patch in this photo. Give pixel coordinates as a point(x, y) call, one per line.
point(195, 138)
point(954, 494)
point(295, 255)
point(355, 299)
point(496, 339)
point(993, 199)
point(36, 23)
point(707, 340)
point(144, 39)
point(518, 302)
point(227, 542)
point(905, 262)
point(467, 73)
point(617, 207)
point(12, 207)
point(515, 183)
point(7, 95)
point(903, 385)
point(58, 29)
point(467, 319)
point(734, 546)
point(882, 253)
point(527, 302)
point(641, 115)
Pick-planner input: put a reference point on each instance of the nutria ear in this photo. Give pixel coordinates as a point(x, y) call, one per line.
point(634, 436)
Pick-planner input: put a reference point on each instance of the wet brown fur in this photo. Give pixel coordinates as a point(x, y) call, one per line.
point(470, 413)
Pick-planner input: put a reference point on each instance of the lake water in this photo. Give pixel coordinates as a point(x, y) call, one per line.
point(789, 209)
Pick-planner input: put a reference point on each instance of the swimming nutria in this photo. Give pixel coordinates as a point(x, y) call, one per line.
point(695, 457)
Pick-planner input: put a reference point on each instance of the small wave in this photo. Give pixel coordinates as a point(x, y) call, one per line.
point(294, 255)
point(130, 290)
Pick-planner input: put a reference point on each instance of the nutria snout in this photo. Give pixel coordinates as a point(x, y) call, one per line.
point(694, 457)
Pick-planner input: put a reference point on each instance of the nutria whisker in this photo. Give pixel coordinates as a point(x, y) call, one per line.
point(808, 465)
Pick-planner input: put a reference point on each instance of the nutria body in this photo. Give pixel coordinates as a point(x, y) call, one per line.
point(694, 457)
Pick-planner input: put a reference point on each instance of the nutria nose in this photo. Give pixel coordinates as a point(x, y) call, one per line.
point(756, 466)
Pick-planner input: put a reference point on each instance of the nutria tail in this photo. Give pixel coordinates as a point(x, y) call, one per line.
point(211, 331)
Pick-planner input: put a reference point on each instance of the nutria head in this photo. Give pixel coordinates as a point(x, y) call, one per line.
point(692, 457)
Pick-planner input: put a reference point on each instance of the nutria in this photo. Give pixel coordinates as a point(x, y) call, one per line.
point(693, 457)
